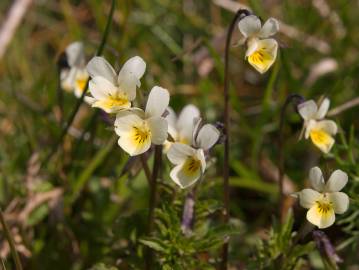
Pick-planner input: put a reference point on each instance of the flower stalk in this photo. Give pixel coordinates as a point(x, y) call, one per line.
point(153, 199)
point(231, 28)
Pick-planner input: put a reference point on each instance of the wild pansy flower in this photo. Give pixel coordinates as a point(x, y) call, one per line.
point(111, 92)
point(316, 127)
point(181, 128)
point(138, 129)
point(74, 78)
point(261, 50)
point(325, 200)
point(190, 161)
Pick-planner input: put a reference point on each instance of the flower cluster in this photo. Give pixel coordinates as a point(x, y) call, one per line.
point(138, 128)
point(326, 200)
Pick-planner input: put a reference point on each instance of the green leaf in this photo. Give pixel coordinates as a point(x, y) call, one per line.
point(154, 244)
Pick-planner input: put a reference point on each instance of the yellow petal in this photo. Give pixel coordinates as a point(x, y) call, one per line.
point(264, 55)
point(322, 140)
point(321, 214)
point(192, 166)
point(137, 140)
point(188, 173)
point(113, 104)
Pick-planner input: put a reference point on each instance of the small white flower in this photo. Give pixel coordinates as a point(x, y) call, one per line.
point(316, 127)
point(138, 129)
point(74, 79)
point(325, 200)
point(181, 128)
point(111, 92)
point(261, 50)
point(190, 160)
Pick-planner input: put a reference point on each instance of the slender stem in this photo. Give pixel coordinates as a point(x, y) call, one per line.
point(153, 199)
point(60, 97)
point(146, 169)
point(289, 100)
point(81, 99)
point(226, 131)
point(10, 239)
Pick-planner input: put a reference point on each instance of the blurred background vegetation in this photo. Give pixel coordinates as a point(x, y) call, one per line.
point(78, 210)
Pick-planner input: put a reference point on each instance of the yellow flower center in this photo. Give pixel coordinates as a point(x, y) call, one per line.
point(324, 206)
point(81, 83)
point(118, 101)
point(260, 58)
point(321, 139)
point(191, 166)
point(141, 134)
point(183, 140)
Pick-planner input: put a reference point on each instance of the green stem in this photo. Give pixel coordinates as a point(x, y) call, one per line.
point(10, 239)
point(81, 99)
point(226, 131)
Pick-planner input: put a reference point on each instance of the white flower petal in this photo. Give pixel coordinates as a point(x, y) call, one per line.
point(127, 144)
point(308, 109)
point(128, 85)
point(249, 25)
point(323, 109)
point(316, 217)
point(336, 181)
point(252, 46)
point(125, 121)
point(329, 126)
point(158, 127)
point(340, 201)
point(200, 156)
point(90, 100)
point(171, 117)
point(316, 179)
point(135, 66)
point(186, 121)
point(197, 126)
point(67, 77)
point(98, 66)
point(157, 102)
point(179, 152)
point(75, 54)
point(270, 27)
point(186, 116)
point(100, 88)
point(183, 180)
point(207, 136)
point(307, 197)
